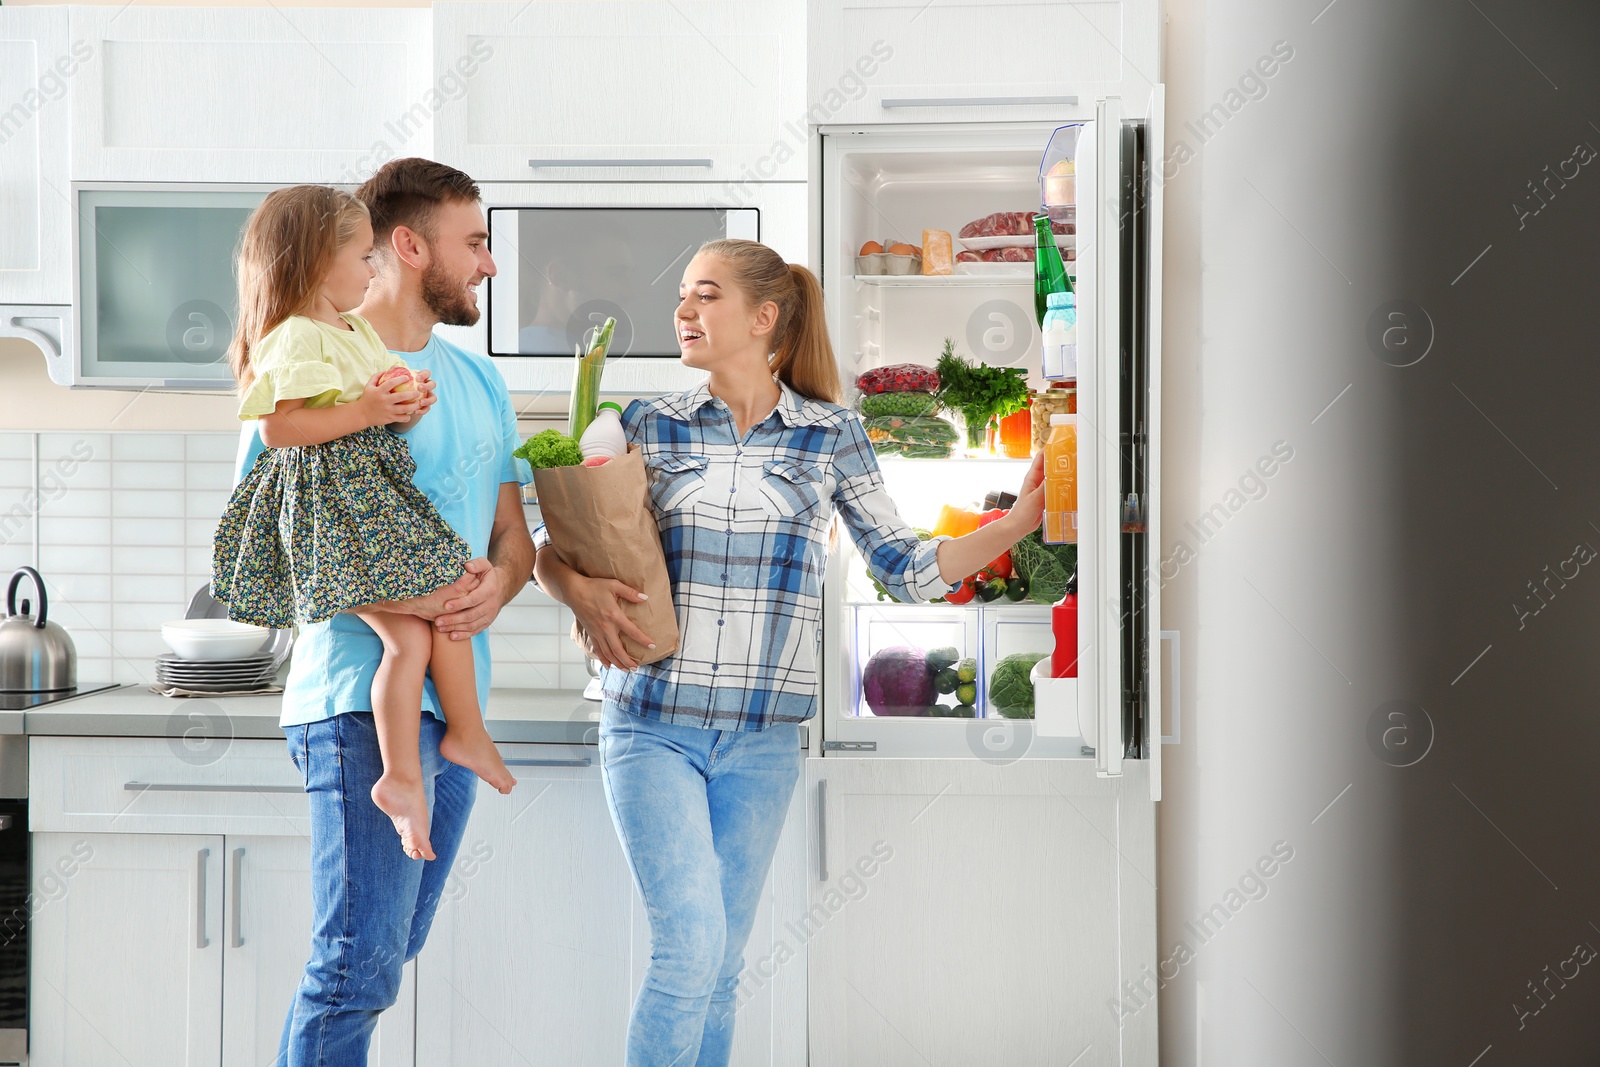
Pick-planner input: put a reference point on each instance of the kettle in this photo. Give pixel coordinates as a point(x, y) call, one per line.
point(36, 655)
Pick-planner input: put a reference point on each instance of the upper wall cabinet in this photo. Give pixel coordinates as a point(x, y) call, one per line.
point(38, 62)
point(875, 61)
point(673, 90)
point(258, 94)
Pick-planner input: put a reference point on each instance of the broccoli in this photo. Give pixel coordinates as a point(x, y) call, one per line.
point(550, 448)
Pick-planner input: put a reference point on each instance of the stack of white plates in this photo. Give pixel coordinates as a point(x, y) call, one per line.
point(255, 671)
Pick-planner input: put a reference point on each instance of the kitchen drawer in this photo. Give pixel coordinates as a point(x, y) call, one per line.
point(155, 785)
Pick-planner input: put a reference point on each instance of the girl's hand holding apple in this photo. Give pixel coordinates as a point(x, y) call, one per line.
point(390, 397)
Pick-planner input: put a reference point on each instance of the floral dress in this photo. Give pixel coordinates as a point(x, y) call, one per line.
point(314, 530)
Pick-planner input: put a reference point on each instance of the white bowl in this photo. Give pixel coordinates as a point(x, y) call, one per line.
point(213, 638)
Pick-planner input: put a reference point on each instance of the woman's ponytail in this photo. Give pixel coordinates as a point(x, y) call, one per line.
point(802, 354)
point(804, 360)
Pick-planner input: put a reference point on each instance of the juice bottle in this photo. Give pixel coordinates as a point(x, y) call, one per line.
point(1061, 481)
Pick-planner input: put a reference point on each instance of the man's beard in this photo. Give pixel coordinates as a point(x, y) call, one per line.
point(447, 297)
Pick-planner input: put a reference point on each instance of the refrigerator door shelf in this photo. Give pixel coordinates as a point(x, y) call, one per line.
point(1056, 712)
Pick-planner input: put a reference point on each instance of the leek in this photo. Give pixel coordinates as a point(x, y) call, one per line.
point(586, 380)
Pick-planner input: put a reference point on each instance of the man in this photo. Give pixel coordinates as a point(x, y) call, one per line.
point(372, 905)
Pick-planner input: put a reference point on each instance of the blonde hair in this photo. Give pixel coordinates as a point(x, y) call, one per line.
point(802, 354)
point(287, 249)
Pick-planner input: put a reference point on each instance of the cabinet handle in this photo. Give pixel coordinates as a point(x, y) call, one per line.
point(975, 101)
point(202, 861)
point(181, 787)
point(701, 163)
point(237, 893)
point(822, 830)
point(576, 761)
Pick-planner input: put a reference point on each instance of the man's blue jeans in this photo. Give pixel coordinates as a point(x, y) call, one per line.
point(371, 905)
point(699, 813)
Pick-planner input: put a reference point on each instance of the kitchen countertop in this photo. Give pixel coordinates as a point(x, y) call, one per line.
point(552, 716)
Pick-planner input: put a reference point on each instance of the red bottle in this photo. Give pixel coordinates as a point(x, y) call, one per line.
point(1064, 622)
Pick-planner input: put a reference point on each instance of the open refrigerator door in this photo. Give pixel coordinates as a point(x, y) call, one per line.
point(898, 188)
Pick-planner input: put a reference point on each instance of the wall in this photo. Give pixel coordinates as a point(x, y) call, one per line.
point(1389, 653)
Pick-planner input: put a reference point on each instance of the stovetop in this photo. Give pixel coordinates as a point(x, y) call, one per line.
point(29, 701)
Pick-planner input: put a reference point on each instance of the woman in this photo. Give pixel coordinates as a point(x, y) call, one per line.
point(700, 752)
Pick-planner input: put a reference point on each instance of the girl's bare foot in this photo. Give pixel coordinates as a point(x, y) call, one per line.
point(478, 754)
point(407, 806)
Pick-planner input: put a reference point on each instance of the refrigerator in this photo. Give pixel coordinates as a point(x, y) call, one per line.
point(1048, 823)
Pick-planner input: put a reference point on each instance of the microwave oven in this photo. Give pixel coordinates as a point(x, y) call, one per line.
point(561, 271)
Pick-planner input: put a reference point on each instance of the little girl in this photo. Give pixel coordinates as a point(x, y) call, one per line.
point(328, 520)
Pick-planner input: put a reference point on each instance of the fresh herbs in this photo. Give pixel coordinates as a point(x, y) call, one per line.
point(980, 392)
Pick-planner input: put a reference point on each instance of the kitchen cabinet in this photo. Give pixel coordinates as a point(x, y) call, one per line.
point(694, 90)
point(126, 954)
point(249, 94)
point(900, 61)
point(541, 941)
point(172, 948)
point(967, 912)
point(38, 65)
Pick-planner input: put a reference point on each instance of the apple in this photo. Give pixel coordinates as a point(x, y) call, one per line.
point(404, 381)
point(597, 461)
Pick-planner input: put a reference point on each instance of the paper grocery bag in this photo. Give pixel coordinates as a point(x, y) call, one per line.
point(599, 520)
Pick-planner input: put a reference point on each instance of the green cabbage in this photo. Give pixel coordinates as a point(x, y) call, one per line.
point(1010, 687)
point(1046, 568)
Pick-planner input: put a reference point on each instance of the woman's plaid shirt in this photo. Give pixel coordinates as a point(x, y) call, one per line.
point(745, 527)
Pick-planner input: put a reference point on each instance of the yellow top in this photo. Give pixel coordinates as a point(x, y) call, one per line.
point(305, 358)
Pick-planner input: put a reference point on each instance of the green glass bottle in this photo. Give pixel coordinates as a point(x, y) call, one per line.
point(1049, 272)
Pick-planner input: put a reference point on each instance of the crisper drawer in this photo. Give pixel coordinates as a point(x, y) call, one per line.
point(156, 785)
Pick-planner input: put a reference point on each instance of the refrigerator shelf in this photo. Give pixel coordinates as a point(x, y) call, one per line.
point(1024, 280)
point(1007, 606)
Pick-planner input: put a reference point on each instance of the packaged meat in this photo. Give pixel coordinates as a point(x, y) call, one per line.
point(937, 257)
point(1010, 224)
point(969, 256)
point(1000, 224)
point(899, 378)
point(1014, 254)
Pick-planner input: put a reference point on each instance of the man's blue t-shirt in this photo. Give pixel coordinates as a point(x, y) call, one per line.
point(462, 448)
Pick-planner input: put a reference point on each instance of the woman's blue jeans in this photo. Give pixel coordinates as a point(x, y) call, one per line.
point(699, 813)
point(371, 905)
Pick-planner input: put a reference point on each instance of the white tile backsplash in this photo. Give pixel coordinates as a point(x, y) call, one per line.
point(125, 522)
point(147, 476)
point(17, 472)
point(55, 530)
point(165, 532)
point(217, 477)
point(210, 448)
point(147, 503)
point(163, 447)
point(75, 500)
point(147, 559)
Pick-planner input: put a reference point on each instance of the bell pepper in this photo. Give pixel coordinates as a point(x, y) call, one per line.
point(965, 592)
point(1001, 567)
point(955, 522)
